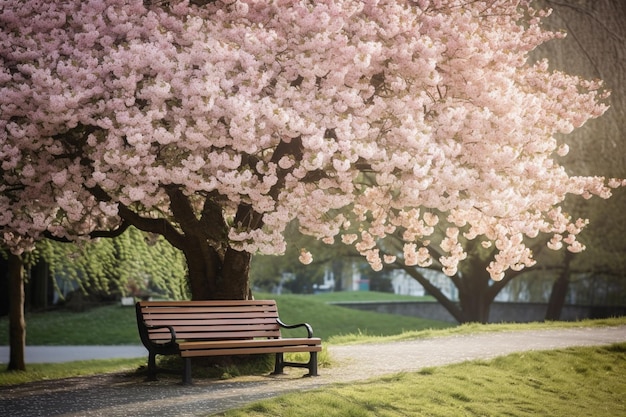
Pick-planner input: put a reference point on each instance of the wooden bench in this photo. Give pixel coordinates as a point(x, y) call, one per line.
point(220, 328)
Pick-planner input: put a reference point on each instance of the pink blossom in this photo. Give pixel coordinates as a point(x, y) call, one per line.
point(305, 257)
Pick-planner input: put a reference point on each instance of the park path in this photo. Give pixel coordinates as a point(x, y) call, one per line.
point(129, 395)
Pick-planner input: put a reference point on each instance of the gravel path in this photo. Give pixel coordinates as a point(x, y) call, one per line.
point(129, 395)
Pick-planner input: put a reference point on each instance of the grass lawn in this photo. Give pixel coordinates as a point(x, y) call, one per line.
point(330, 322)
point(107, 325)
point(561, 383)
point(116, 325)
point(47, 371)
point(356, 296)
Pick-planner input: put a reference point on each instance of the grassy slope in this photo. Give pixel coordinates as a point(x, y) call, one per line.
point(109, 325)
point(352, 296)
point(114, 325)
point(330, 321)
point(560, 383)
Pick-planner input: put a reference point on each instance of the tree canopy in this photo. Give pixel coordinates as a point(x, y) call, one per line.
point(218, 124)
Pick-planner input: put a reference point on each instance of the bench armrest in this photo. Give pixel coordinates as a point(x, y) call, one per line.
point(308, 327)
point(170, 328)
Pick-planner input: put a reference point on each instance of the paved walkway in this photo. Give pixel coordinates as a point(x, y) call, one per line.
point(129, 395)
point(55, 354)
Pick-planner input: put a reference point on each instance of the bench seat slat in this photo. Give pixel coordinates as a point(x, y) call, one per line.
point(215, 344)
point(249, 351)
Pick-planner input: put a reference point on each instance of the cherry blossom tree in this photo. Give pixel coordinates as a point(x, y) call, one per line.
point(592, 48)
point(218, 123)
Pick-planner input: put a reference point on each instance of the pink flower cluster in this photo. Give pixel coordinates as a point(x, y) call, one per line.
point(360, 119)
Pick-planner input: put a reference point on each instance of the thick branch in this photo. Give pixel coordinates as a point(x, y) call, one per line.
point(212, 220)
point(448, 304)
point(157, 226)
point(93, 235)
point(434, 253)
point(497, 286)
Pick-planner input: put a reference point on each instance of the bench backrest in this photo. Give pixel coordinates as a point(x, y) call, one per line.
point(206, 320)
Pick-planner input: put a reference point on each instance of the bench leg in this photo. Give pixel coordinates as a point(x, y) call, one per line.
point(278, 364)
point(187, 371)
point(313, 364)
point(152, 369)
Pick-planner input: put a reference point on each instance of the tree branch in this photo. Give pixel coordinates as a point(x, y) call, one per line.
point(452, 307)
point(93, 235)
point(584, 11)
point(159, 226)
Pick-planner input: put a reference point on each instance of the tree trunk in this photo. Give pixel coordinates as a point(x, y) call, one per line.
point(475, 309)
point(37, 288)
point(338, 274)
point(475, 299)
point(210, 278)
point(17, 324)
point(203, 269)
point(216, 271)
point(559, 290)
point(235, 275)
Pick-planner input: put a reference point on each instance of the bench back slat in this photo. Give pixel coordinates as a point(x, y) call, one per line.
point(205, 309)
point(182, 336)
point(233, 316)
point(193, 320)
point(214, 322)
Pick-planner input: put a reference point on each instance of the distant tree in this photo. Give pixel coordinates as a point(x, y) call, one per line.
point(476, 290)
point(377, 280)
point(593, 48)
point(286, 271)
point(131, 264)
